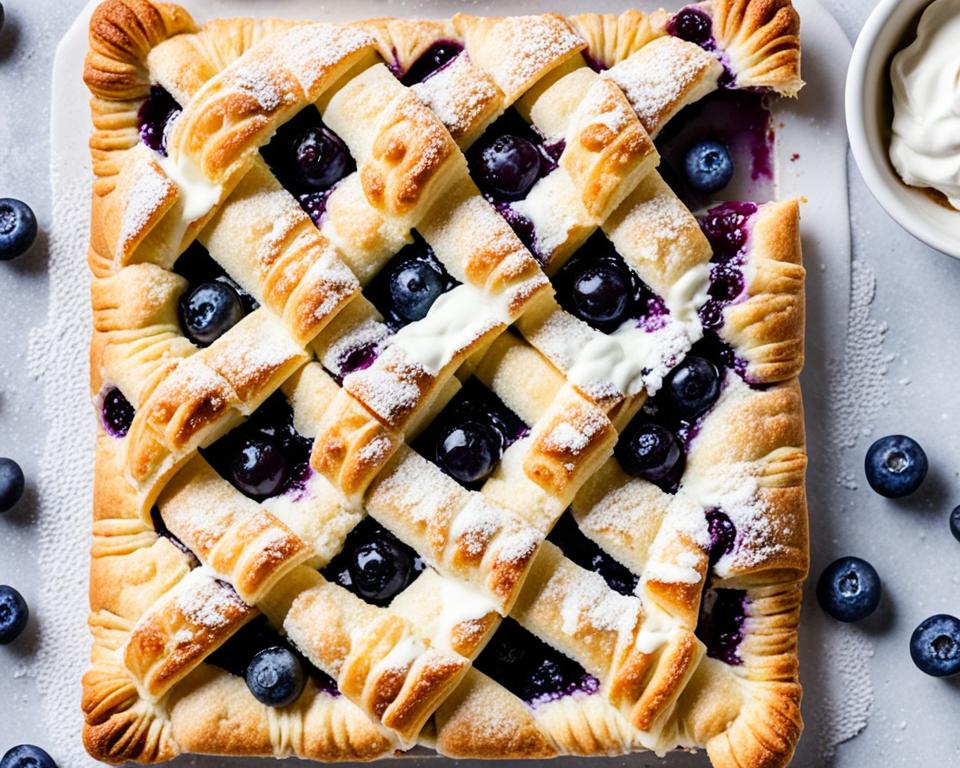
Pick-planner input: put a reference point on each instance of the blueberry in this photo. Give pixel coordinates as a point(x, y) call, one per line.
point(935, 645)
point(13, 614)
point(723, 534)
point(275, 676)
point(600, 295)
point(849, 589)
point(955, 523)
point(18, 228)
point(11, 484)
point(259, 467)
point(117, 413)
point(379, 570)
point(469, 451)
point(650, 451)
point(26, 755)
point(414, 285)
point(708, 166)
point(896, 466)
point(693, 386)
point(692, 25)
point(509, 166)
point(321, 157)
point(209, 311)
point(435, 58)
point(156, 113)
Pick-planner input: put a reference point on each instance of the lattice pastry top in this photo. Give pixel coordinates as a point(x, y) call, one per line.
point(429, 414)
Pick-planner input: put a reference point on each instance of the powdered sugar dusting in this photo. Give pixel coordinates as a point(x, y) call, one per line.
point(534, 43)
point(844, 709)
point(459, 94)
point(148, 191)
point(587, 600)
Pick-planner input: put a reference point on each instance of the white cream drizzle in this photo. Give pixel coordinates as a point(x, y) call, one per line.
point(459, 604)
point(198, 195)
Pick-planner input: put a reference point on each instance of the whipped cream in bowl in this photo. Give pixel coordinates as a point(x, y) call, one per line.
point(925, 77)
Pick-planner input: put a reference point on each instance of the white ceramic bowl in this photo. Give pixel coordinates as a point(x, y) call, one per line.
point(869, 112)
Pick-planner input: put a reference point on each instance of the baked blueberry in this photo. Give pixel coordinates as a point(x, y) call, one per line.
point(692, 25)
point(321, 157)
point(156, 113)
point(708, 166)
point(600, 295)
point(11, 483)
point(18, 228)
point(849, 589)
point(414, 285)
point(117, 413)
point(275, 676)
point(723, 534)
point(379, 570)
point(26, 755)
point(693, 386)
point(650, 451)
point(259, 467)
point(469, 451)
point(895, 465)
point(209, 311)
point(935, 645)
point(509, 166)
point(431, 61)
point(13, 614)
point(955, 523)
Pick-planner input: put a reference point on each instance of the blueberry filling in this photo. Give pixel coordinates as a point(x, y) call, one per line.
point(723, 534)
point(437, 57)
point(405, 289)
point(531, 669)
point(265, 456)
point(374, 564)
point(197, 267)
point(162, 531)
point(586, 553)
point(235, 654)
point(522, 227)
point(469, 436)
point(357, 359)
point(727, 228)
point(720, 625)
point(116, 413)
point(693, 25)
point(308, 159)
point(598, 287)
point(154, 116)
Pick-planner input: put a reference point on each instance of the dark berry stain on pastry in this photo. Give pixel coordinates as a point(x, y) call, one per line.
point(165, 533)
point(116, 413)
point(693, 25)
point(598, 287)
point(727, 228)
point(235, 655)
point(720, 624)
point(265, 456)
point(308, 159)
point(723, 534)
point(469, 436)
point(436, 58)
point(154, 117)
point(531, 669)
point(406, 287)
point(374, 564)
point(586, 553)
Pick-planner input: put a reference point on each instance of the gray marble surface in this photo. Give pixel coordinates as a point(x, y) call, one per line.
point(899, 375)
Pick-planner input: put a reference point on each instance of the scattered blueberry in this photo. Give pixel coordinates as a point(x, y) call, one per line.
point(380, 570)
point(509, 166)
point(849, 589)
point(601, 295)
point(13, 614)
point(693, 386)
point(321, 157)
point(26, 755)
point(209, 311)
point(692, 25)
point(650, 451)
point(469, 451)
point(11, 483)
point(896, 466)
point(431, 61)
point(276, 677)
point(414, 285)
point(708, 166)
point(18, 228)
point(935, 645)
point(259, 467)
point(955, 523)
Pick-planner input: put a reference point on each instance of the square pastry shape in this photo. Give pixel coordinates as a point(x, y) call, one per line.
point(408, 362)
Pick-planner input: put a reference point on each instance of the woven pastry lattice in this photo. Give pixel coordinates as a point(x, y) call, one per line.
point(402, 455)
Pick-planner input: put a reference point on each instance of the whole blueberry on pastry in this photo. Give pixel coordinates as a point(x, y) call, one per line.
point(259, 466)
point(650, 451)
point(321, 157)
point(414, 285)
point(895, 465)
point(708, 166)
point(275, 677)
point(601, 295)
point(380, 570)
point(13, 614)
point(209, 311)
point(11, 483)
point(693, 386)
point(18, 228)
point(469, 451)
point(849, 589)
point(935, 645)
point(509, 166)
point(26, 756)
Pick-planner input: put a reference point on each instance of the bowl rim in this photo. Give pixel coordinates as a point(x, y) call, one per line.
point(855, 96)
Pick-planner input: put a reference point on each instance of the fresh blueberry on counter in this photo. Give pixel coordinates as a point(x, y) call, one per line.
point(275, 677)
point(13, 614)
point(896, 466)
point(849, 589)
point(955, 523)
point(708, 166)
point(11, 483)
point(935, 645)
point(26, 755)
point(18, 227)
